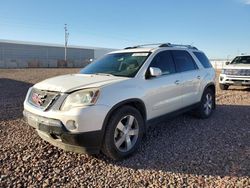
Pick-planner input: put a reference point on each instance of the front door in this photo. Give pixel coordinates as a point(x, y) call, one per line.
point(163, 92)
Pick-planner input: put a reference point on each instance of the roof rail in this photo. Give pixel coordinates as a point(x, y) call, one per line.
point(164, 45)
point(142, 45)
point(180, 46)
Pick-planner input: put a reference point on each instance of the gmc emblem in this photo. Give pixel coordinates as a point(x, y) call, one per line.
point(38, 99)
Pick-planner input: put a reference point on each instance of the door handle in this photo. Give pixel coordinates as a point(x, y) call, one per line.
point(199, 77)
point(177, 82)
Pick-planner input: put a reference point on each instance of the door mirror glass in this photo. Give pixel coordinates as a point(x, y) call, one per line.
point(155, 72)
point(227, 63)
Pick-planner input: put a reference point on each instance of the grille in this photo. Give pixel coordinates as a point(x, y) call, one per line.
point(238, 72)
point(42, 99)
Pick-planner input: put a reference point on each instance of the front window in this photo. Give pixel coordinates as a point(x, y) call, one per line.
point(117, 64)
point(241, 60)
point(164, 61)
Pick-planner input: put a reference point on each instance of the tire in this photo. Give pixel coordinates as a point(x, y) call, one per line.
point(224, 87)
point(206, 106)
point(123, 133)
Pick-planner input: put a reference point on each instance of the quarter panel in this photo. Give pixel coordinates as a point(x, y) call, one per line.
point(191, 86)
point(209, 78)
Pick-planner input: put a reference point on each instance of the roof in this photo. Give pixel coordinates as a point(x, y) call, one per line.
point(243, 55)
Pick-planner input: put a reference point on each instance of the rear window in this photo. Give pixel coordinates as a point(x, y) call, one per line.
point(184, 61)
point(203, 59)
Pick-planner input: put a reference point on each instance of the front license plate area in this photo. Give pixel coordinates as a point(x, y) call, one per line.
point(237, 83)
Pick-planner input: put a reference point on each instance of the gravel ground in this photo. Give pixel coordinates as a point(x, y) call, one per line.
point(182, 152)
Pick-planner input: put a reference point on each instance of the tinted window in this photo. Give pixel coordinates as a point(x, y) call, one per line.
point(203, 59)
point(164, 61)
point(183, 61)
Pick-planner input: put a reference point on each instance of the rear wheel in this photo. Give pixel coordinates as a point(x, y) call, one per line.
point(124, 133)
point(224, 87)
point(207, 104)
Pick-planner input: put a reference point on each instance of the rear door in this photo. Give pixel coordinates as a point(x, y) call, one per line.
point(191, 76)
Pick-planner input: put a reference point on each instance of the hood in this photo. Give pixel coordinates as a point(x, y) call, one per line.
point(237, 66)
point(71, 82)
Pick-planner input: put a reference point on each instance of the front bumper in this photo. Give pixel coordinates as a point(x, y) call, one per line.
point(54, 132)
point(234, 80)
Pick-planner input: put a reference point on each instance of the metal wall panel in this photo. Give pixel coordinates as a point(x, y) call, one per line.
point(27, 55)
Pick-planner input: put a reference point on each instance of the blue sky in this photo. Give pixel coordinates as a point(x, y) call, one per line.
point(221, 28)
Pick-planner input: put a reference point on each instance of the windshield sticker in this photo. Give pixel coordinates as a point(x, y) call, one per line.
point(139, 54)
point(121, 59)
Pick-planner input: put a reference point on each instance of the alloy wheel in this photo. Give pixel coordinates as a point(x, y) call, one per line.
point(126, 133)
point(208, 105)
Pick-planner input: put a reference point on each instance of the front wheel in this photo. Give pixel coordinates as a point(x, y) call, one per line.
point(124, 133)
point(207, 104)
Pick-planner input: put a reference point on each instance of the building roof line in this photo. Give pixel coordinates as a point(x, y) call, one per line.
point(50, 44)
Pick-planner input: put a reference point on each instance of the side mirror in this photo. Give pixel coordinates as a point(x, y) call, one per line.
point(155, 72)
point(227, 63)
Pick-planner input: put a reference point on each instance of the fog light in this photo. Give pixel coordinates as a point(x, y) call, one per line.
point(71, 125)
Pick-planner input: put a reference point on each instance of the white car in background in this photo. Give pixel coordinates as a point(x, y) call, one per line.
point(109, 104)
point(236, 72)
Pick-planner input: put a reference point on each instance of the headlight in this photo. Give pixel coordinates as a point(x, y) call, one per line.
point(223, 71)
point(80, 98)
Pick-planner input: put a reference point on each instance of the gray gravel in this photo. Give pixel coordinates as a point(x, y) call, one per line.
point(182, 152)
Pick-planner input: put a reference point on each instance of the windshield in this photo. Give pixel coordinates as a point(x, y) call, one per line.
point(117, 64)
point(241, 60)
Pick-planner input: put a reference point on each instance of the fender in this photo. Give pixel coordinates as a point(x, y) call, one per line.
point(138, 103)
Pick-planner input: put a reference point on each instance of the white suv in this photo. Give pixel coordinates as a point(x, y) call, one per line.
point(236, 72)
point(109, 104)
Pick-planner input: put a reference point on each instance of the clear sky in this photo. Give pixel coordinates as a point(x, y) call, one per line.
point(221, 28)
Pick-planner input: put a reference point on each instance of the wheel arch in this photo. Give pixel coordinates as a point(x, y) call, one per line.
point(213, 88)
point(135, 102)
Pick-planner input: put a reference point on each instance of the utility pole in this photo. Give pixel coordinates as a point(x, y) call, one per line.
point(66, 35)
